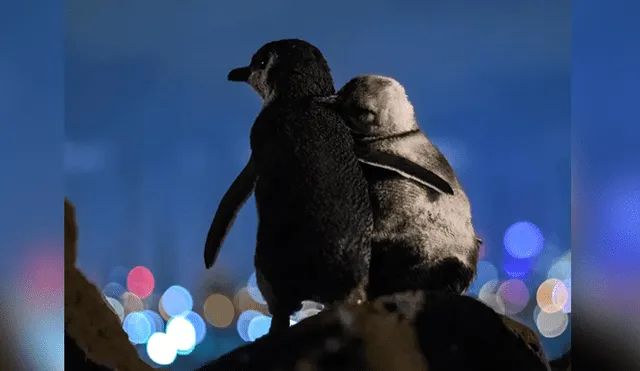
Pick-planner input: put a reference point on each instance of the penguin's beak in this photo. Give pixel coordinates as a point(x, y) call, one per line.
point(239, 74)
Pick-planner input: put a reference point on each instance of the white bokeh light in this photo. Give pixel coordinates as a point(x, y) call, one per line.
point(161, 349)
point(182, 334)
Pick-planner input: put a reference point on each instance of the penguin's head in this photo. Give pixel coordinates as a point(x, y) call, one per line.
point(289, 68)
point(374, 106)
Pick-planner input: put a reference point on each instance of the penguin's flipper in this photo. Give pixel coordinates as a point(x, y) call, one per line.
point(228, 209)
point(405, 168)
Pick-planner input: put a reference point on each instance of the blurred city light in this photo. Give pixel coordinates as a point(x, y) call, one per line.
point(523, 240)
point(218, 310)
point(131, 302)
point(176, 300)
point(182, 334)
point(258, 327)
point(198, 325)
point(117, 308)
point(244, 320)
point(244, 301)
point(551, 325)
point(516, 268)
point(515, 296)
point(161, 349)
point(138, 327)
point(489, 295)
point(140, 281)
point(157, 323)
point(254, 291)
point(113, 290)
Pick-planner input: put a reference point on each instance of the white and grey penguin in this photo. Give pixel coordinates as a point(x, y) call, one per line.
point(423, 235)
point(314, 210)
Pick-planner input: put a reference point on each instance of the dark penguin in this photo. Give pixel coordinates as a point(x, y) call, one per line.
point(423, 236)
point(313, 205)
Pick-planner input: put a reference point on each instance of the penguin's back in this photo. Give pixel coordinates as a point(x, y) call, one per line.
point(439, 225)
point(312, 197)
point(422, 239)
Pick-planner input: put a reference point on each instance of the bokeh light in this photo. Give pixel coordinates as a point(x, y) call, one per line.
point(198, 324)
point(131, 302)
point(244, 319)
point(561, 269)
point(182, 334)
point(515, 296)
point(162, 312)
point(567, 306)
point(113, 290)
point(140, 281)
point(523, 240)
point(138, 327)
point(516, 268)
point(244, 301)
point(218, 310)
point(157, 323)
point(254, 291)
point(489, 295)
point(486, 272)
point(551, 295)
point(176, 300)
point(551, 325)
point(258, 327)
point(151, 302)
point(116, 307)
point(161, 349)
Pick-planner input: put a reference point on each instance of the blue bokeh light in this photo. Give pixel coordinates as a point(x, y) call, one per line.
point(176, 300)
point(254, 291)
point(258, 327)
point(138, 327)
point(157, 323)
point(516, 268)
point(244, 319)
point(523, 240)
point(198, 324)
point(113, 290)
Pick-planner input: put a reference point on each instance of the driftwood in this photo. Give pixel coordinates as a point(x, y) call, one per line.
point(90, 325)
point(416, 331)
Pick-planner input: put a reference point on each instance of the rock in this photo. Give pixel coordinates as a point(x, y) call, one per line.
point(89, 322)
point(413, 331)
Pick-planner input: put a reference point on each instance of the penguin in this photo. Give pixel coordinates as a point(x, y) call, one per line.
point(313, 206)
point(423, 233)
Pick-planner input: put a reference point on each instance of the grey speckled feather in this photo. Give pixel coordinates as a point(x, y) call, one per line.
point(423, 234)
point(314, 210)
